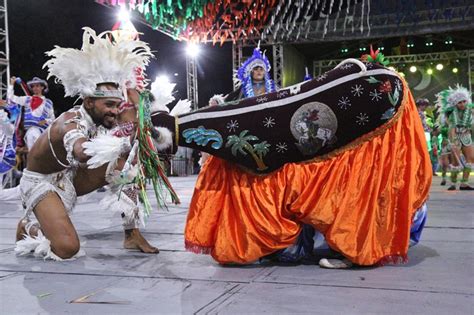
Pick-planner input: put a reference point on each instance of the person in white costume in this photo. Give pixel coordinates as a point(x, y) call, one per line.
point(77, 154)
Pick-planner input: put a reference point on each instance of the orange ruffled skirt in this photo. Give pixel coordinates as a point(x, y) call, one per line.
point(362, 199)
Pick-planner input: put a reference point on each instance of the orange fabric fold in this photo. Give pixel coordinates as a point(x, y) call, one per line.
point(362, 200)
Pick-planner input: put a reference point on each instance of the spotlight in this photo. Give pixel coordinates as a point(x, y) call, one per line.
point(344, 49)
point(429, 41)
point(439, 67)
point(362, 46)
point(176, 74)
point(448, 40)
point(410, 43)
point(162, 79)
point(413, 69)
point(455, 70)
point(192, 50)
point(429, 71)
point(124, 15)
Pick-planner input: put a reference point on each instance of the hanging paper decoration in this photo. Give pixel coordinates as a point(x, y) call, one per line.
point(229, 20)
point(164, 14)
point(218, 21)
point(201, 20)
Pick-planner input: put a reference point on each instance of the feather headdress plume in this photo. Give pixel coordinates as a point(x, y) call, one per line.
point(244, 74)
point(98, 61)
point(449, 98)
point(162, 91)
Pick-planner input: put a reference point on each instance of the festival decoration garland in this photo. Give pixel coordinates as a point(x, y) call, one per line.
point(223, 20)
point(201, 20)
point(174, 14)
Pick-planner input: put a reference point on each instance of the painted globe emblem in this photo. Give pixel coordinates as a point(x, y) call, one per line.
point(314, 126)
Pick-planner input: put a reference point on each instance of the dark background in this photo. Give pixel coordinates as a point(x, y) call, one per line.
point(35, 26)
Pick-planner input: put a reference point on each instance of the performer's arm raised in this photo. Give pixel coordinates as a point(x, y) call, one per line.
point(20, 100)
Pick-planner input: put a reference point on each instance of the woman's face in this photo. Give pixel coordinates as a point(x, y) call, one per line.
point(258, 73)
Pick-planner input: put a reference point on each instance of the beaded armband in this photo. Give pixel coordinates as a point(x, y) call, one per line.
point(69, 140)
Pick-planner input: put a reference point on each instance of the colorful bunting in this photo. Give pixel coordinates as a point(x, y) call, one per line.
point(230, 20)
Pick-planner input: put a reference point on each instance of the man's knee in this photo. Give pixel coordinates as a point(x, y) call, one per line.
point(66, 248)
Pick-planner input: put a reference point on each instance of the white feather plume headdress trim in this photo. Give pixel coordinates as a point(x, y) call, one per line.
point(457, 95)
point(162, 91)
point(217, 99)
point(98, 61)
point(182, 107)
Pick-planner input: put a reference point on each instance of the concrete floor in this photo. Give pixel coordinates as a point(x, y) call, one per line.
point(439, 278)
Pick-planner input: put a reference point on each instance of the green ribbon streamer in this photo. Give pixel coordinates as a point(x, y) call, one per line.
point(150, 166)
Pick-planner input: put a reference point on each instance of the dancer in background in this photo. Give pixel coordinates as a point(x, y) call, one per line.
point(455, 105)
point(39, 111)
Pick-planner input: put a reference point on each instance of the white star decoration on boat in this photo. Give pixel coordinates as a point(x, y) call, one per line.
point(281, 147)
point(344, 102)
point(269, 122)
point(233, 125)
point(282, 94)
point(357, 90)
point(362, 119)
point(347, 66)
point(321, 77)
point(375, 95)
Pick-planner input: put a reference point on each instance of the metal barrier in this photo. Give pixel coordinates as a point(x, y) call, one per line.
point(181, 167)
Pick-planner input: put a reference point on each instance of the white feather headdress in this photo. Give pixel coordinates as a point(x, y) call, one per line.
point(449, 98)
point(162, 91)
point(98, 61)
point(458, 94)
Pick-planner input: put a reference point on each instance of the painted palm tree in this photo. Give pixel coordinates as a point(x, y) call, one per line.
point(242, 145)
point(261, 149)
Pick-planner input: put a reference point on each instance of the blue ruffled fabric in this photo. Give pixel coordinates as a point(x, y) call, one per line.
point(311, 244)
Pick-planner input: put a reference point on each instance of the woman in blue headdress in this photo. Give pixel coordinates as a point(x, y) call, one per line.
point(253, 79)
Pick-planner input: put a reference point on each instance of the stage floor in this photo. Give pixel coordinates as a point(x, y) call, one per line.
point(438, 279)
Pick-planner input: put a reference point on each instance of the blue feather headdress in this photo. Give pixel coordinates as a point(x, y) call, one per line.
point(244, 74)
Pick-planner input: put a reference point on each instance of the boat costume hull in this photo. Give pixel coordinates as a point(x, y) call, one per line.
point(344, 153)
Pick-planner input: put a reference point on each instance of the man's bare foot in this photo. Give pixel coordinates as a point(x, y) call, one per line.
point(135, 240)
point(23, 225)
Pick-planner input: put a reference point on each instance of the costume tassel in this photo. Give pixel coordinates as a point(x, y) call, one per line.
point(149, 163)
